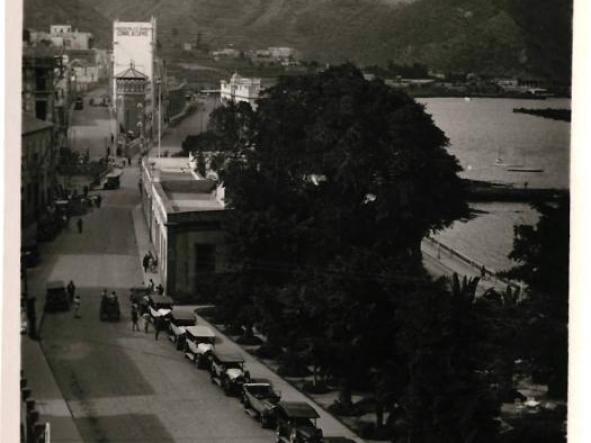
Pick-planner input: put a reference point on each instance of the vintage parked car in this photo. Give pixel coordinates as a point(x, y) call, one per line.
point(30, 256)
point(296, 423)
point(159, 306)
point(199, 344)
point(179, 320)
point(109, 310)
point(227, 370)
point(57, 298)
point(79, 103)
point(113, 179)
point(260, 400)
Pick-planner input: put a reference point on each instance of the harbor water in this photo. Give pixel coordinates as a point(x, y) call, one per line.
point(484, 133)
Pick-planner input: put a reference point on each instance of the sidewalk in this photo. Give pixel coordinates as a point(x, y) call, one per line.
point(143, 243)
point(439, 263)
point(49, 400)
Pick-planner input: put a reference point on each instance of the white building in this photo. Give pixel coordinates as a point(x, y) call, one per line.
point(62, 36)
point(134, 43)
point(185, 214)
point(240, 89)
point(281, 52)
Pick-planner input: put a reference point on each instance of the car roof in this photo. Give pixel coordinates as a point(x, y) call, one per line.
point(56, 284)
point(298, 409)
point(229, 357)
point(258, 381)
point(161, 299)
point(199, 331)
point(182, 314)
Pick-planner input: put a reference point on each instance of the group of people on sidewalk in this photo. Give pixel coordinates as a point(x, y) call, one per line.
point(142, 310)
point(150, 263)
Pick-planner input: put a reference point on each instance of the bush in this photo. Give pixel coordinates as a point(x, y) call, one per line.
point(249, 340)
point(267, 351)
point(343, 410)
point(371, 432)
point(291, 364)
point(319, 388)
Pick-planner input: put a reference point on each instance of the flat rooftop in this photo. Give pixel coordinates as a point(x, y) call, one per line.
point(184, 189)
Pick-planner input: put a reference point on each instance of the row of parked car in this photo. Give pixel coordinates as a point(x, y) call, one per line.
point(294, 422)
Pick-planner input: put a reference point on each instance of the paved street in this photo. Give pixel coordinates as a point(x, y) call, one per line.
point(120, 385)
point(193, 124)
point(91, 127)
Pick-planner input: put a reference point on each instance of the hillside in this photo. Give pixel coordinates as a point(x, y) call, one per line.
point(40, 14)
point(501, 37)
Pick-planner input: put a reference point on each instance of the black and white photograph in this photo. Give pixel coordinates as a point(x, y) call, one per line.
point(307, 221)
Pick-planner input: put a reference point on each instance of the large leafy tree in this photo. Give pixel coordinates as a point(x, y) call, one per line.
point(542, 254)
point(333, 181)
point(333, 162)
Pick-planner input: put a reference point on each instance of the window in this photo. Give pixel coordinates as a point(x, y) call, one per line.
point(40, 79)
point(204, 257)
point(41, 109)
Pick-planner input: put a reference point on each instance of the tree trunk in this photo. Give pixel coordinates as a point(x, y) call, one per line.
point(345, 394)
point(379, 414)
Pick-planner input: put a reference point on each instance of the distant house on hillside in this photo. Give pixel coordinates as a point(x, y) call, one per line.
point(226, 53)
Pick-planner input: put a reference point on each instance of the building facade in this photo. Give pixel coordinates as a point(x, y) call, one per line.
point(240, 89)
point(185, 215)
point(38, 160)
point(39, 69)
point(131, 101)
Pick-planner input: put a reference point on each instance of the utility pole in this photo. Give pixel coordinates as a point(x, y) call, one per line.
point(159, 115)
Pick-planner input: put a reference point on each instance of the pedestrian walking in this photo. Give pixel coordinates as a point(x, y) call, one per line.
point(80, 224)
point(159, 325)
point(99, 200)
point(483, 272)
point(77, 306)
point(146, 317)
point(160, 289)
point(134, 318)
point(151, 286)
point(71, 288)
point(145, 262)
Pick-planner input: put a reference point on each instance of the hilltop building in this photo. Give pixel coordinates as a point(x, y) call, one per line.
point(240, 89)
point(185, 214)
point(62, 36)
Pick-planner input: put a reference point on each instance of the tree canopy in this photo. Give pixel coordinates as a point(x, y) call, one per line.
point(542, 254)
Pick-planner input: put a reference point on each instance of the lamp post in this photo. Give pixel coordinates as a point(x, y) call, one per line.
point(140, 124)
point(159, 83)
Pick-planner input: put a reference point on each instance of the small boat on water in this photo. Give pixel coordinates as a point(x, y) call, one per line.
point(525, 169)
point(515, 167)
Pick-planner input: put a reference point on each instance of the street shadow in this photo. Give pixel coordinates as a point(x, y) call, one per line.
point(123, 429)
point(87, 356)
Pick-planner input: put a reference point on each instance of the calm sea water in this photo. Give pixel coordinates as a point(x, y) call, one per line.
point(482, 130)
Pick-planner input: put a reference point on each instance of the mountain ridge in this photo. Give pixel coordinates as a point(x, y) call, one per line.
point(497, 37)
